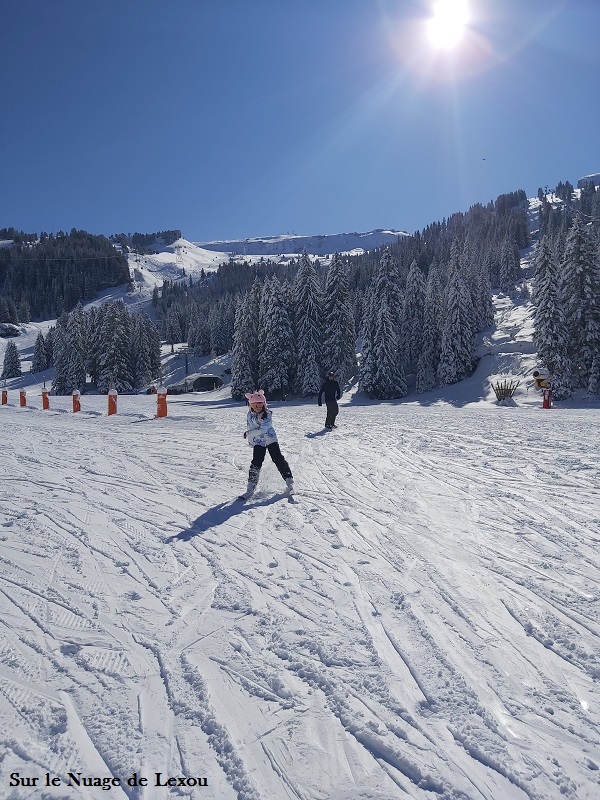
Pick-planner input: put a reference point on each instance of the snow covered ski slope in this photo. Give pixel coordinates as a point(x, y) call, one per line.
point(423, 623)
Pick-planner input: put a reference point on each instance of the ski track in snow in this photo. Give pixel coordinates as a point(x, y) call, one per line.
point(421, 620)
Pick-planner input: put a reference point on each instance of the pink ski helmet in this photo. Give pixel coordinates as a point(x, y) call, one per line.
point(256, 398)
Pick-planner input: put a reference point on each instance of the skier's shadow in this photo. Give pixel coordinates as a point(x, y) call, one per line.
point(318, 433)
point(216, 516)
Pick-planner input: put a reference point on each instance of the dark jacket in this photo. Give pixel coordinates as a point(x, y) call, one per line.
point(331, 390)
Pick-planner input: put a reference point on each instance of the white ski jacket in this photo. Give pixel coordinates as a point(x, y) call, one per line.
point(260, 431)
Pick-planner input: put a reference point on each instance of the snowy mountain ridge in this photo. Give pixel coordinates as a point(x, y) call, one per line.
point(293, 244)
point(185, 259)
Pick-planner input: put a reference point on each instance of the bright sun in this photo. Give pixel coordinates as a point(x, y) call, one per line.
point(446, 26)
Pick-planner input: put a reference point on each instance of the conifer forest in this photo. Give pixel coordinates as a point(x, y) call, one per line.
point(398, 319)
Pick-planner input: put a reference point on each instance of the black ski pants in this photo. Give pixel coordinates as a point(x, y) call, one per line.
point(332, 412)
point(258, 456)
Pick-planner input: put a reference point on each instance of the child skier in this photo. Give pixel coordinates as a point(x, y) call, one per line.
point(261, 436)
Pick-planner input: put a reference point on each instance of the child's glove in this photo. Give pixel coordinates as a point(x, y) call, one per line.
point(245, 434)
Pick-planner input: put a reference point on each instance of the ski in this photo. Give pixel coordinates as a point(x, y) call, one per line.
point(285, 493)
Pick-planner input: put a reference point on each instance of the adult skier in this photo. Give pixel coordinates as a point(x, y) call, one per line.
point(331, 391)
point(260, 435)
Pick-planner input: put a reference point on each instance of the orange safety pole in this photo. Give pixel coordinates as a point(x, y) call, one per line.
point(547, 398)
point(4, 397)
point(76, 403)
point(22, 398)
point(45, 400)
point(112, 401)
point(161, 402)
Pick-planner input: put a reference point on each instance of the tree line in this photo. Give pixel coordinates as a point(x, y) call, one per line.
point(112, 347)
point(411, 310)
point(145, 242)
point(566, 296)
point(42, 278)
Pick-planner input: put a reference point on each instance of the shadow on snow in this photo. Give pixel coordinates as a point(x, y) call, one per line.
point(220, 514)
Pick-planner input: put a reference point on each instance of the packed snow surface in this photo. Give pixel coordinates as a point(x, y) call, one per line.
point(421, 620)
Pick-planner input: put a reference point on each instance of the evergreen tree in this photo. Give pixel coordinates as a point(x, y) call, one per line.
point(93, 356)
point(481, 294)
point(39, 362)
point(199, 331)
point(229, 308)
point(594, 381)
point(115, 362)
point(287, 295)
point(253, 312)
point(276, 338)
point(389, 273)
point(24, 311)
point(388, 375)
point(339, 334)
point(382, 374)
point(357, 310)
point(60, 343)
point(11, 367)
point(76, 346)
point(12, 311)
point(548, 317)
point(367, 331)
point(579, 294)
point(242, 378)
point(563, 380)
point(4, 310)
point(456, 354)
point(172, 328)
point(140, 353)
point(50, 346)
point(432, 334)
point(509, 264)
point(153, 345)
point(413, 317)
point(308, 327)
point(218, 330)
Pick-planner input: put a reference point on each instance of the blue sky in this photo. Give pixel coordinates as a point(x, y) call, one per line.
point(232, 118)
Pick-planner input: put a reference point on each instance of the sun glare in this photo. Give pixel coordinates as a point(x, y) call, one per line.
point(447, 25)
